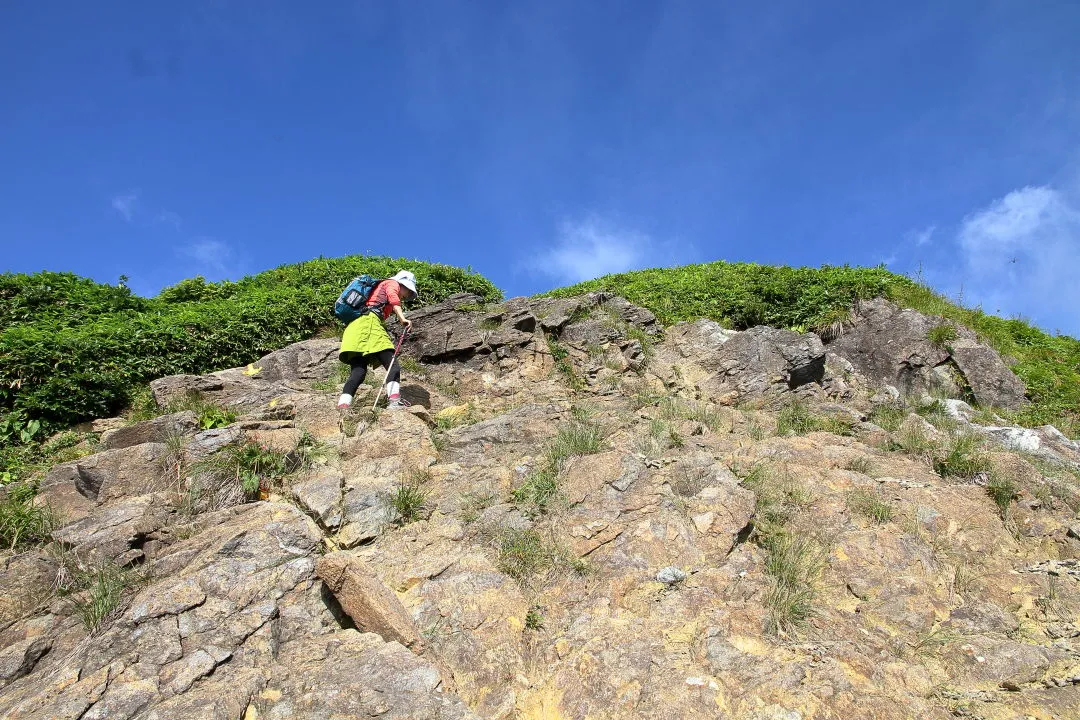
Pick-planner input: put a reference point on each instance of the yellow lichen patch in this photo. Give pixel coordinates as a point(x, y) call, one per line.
point(270, 694)
point(541, 704)
point(749, 645)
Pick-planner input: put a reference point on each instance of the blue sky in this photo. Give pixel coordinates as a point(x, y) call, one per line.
point(543, 142)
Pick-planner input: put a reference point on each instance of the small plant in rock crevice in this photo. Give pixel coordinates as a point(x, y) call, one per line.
point(889, 416)
point(22, 521)
point(796, 419)
point(1002, 491)
point(794, 557)
point(561, 356)
point(960, 456)
point(870, 505)
point(860, 464)
point(407, 502)
point(240, 471)
point(941, 335)
point(574, 438)
point(97, 594)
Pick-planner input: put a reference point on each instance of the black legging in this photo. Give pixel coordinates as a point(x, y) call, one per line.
point(360, 366)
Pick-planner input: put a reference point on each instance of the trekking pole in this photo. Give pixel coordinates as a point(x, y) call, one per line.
point(397, 349)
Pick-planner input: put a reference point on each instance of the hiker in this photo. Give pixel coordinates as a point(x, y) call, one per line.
point(366, 341)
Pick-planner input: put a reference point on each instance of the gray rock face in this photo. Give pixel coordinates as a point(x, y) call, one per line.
point(892, 346)
point(762, 361)
point(157, 430)
point(321, 498)
point(300, 363)
point(462, 326)
point(991, 381)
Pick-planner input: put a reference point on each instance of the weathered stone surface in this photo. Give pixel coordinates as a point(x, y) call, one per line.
point(891, 345)
point(157, 430)
point(116, 531)
point(559, 613)
point(371, 605)
point(321, 498)
point(26, 579)
point(74, 489)
point(20, 658)
point(354, 676)
point(991, 381)
point(762, 361)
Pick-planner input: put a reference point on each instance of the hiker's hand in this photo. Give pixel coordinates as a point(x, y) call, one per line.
point(407, 323)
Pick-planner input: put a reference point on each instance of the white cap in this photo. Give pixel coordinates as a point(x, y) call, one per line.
point(407, 279)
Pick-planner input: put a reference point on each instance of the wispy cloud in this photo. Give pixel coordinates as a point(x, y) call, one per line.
point(1020, 254)
point(210, 254)
point(126, 204)
point(921, 237)
point(168, 217)
point(590, 248)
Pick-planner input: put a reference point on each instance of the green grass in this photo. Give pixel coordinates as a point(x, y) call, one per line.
point(742, 295)
point(522, 553)
point(575, 437)
point(794, 562)
point(1002, 491)
point(561, 356)
point(22, 522)
point(794, 557)
point(960, 456)
point(796, 419)
point(96, 595)
point(941, 335)
point(870, 505)
point(889, 416)
point(861, 464)
point(408, 501)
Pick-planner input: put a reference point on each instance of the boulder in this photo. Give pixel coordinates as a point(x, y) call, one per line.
point(762, 361)
point(372, 606)
point(321, 498)
point(75, 489)
point(892, 345)
point(157, 430)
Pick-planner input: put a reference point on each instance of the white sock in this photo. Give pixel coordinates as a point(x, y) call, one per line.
point(393, 389)
point(345, 399)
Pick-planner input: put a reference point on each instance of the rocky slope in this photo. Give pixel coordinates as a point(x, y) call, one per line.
point(583, 516)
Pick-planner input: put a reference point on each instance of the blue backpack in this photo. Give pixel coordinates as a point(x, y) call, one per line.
point(351, 303)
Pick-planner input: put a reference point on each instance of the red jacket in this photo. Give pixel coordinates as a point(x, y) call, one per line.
point(388, 294)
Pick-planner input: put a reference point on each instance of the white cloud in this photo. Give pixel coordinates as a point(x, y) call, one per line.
point(126, 203)
point(212, 255)
point(592, 247)
point(921, 237)
point(1021, 253)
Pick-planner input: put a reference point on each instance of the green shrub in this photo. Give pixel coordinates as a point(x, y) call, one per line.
point(65, 363)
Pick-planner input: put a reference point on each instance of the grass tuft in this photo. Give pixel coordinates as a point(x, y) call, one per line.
point(961, 456)
point(870, 505)
point(22, 521)
point(409, 499)
point(796, 419)
point(941, 335)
